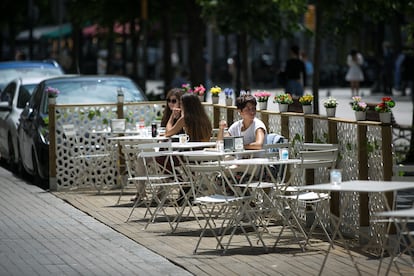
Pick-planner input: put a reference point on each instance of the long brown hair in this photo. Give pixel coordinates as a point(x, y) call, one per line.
point(177, 92)
point(197, 123)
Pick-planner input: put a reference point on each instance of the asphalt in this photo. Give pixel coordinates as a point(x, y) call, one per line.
point(41, 234)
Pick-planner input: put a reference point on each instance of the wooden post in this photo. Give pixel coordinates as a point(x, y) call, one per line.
point(333, 139)
point(216, 116)
point(52, 148)
point(363, 174)
point(310, 173)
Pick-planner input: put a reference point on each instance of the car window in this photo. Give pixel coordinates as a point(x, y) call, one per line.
point(24, 95)
point(7, 75)
point(8, 93)
point(95, 91)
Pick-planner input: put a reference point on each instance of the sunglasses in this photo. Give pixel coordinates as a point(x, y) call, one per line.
point(172, 101)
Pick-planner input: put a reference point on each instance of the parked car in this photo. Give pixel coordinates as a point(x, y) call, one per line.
point(10, 70)
point(33, 132)
point(13, 99)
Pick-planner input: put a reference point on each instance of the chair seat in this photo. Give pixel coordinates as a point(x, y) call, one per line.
point(257, 185)
point(216, 198)
point(309, 197)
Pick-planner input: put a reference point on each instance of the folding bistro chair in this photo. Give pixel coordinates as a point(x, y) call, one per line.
point(161, 181)
point(223, 207)
point(318, 203)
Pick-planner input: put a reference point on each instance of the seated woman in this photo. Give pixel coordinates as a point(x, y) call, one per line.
point(194, 119)
point(251, 128)
point(172, 113)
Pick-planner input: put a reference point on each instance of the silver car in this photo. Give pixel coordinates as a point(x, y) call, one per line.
point(13, 99)
point(33, 131)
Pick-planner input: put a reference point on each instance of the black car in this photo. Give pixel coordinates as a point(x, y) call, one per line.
point(33, 130)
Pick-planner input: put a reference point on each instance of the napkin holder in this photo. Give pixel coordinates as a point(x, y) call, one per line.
point(118, 125)
point(233, 143)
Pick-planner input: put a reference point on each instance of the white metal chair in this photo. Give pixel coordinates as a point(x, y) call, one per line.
point(135, 173)
point(219, 201)
point(402, 246)
point(220, 204)
point(90, 161)
point(160, 178)
point(318, 160)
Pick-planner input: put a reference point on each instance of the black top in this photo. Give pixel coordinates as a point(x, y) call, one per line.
point(294, 68)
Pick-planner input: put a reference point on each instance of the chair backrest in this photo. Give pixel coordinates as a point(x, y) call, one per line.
point(273, 149)
point(158, 159)
point(403, 173)
point(209, 179)
point(133, 163)
point(318, 146)
point(321, 161)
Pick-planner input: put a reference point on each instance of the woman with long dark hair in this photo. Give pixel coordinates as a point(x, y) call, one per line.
point(172, 113)
point(195, 120)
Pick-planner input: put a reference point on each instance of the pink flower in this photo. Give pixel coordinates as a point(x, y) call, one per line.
point(262, 96)
point(199, 90)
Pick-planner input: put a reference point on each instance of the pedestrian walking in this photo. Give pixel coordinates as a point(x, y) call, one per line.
point(295, 73)
point(354, 74)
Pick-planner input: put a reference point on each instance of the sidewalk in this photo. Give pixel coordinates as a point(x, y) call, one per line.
point(41, 234)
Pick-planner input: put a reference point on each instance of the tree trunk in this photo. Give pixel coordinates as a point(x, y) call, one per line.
point(166, 36)
point(196, 31)
point(134, 54)
point(316, 60)
point(244, 62)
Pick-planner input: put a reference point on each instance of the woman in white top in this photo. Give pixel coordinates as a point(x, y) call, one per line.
point(354, 74)
point(252, 129)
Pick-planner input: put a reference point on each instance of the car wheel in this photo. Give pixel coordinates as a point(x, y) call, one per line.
point(21, 171)
point(37, 179)
point(12, 157)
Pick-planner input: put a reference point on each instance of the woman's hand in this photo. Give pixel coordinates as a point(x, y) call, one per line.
point(176, 113)
point(222, 124)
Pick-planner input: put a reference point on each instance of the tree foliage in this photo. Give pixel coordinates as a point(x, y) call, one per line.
point(259, 19)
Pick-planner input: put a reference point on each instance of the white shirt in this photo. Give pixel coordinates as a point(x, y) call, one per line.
point(249, 135)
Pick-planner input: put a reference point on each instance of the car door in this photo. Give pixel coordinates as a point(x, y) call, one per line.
point(27, 127)
point(6, 99)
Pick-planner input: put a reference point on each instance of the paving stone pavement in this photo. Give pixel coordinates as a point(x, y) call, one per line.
point(41, 234)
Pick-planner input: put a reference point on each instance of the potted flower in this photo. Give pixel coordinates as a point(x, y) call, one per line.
point(306, 101)
point(215, 93)
point(330, 104)
point(199, 91)
point(384, 109)
point(283, 100)
point(262, 98)
point(186, 88)
point(359, 107)
point(229, 96)
point(52, 94)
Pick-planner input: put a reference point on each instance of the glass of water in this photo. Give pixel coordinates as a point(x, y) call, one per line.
point(336, 176)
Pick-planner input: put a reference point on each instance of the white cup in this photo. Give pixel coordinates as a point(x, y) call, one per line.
point(161, 131)
point(220, 145)
point(183, 138)
point(336, 177)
